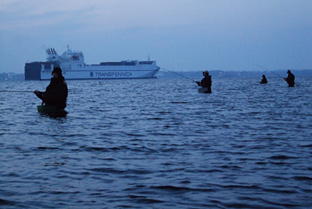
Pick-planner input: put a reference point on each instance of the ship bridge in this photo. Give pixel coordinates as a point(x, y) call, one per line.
point(71, 60)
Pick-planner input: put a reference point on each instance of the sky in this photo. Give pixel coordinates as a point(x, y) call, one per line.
point(181, 35)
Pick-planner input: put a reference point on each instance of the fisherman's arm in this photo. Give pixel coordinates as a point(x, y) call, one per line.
point(39, 94)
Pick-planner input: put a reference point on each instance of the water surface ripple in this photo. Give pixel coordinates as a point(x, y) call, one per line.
point(159, 144)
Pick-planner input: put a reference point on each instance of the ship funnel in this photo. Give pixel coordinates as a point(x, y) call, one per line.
point(54, 52)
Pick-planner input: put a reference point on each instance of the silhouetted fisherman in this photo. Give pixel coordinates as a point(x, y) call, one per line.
point(205, 82)
point(56, 92)
point(264, 80)
point(290, 79)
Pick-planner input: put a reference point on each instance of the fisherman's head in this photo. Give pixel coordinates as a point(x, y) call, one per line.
point(57, 72)
point(288, 71)
point(205, 73)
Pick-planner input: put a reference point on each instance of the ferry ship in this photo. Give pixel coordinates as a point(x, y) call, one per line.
point(74, 68)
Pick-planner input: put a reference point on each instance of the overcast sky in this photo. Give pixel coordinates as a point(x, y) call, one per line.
point(181, 35)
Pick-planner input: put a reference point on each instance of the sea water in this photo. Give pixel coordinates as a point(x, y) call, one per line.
point(158, 143)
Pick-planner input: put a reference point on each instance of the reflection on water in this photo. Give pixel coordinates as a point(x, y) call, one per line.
point(158, 144)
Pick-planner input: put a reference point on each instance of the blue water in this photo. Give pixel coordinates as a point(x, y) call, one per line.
point(159, 144)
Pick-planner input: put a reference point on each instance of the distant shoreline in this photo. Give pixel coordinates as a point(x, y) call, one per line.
point(194, 74)
point(236, 74)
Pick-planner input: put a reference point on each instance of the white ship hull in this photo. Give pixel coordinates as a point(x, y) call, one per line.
point(102, 74)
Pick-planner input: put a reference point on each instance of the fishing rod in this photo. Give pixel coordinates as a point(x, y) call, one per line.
point(270, 71)
point(16, 91)
point(178, 74)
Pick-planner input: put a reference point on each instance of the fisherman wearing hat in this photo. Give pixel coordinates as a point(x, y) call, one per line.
point(264, 80)
point(290, 79)
point(56, 92)
point(205, 82)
